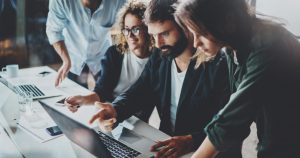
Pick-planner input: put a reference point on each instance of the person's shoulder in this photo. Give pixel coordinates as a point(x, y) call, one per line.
point(114, 51)
point(64, 4)
point(266, 33)
point(116, 4)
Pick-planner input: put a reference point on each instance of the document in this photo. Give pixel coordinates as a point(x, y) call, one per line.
point(35, 124)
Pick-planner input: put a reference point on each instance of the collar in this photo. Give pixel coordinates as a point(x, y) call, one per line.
point(238, 57)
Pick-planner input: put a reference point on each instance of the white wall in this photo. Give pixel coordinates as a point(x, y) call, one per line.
point(289, 10)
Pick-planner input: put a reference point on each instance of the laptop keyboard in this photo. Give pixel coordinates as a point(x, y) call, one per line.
point(31, 88)
point(117, 149)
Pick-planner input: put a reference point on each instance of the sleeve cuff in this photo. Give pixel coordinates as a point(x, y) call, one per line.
point(54, 37)
point(120, 113)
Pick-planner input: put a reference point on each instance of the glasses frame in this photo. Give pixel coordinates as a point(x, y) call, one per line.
point(135, 30)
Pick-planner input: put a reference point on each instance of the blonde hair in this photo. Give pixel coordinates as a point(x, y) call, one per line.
point(137, 9)
point(200, 58)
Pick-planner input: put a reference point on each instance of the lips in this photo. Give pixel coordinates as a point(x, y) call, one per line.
point(132, 40)
point(203, 49)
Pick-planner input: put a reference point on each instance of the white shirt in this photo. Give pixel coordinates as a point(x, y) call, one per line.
point(132, 67)
point(177, 79)
point(86, 35)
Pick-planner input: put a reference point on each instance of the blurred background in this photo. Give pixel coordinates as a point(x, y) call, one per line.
point(23, 39)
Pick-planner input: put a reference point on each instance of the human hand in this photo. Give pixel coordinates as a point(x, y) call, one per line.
point(106, 116)
point(74, 102)
point(62, 72)
point(173, 147)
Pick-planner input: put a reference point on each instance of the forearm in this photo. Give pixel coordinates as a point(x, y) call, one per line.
point(206, 150)
point(92, 98)
point(61, 50)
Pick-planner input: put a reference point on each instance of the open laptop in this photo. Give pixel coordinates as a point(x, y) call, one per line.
point(9, 115)
point(33, 85)
point(128, 144)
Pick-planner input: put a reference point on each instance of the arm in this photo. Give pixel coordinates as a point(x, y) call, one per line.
point(56, 22)
point(231, 125)
point(111, 65)
point(173, 147)
point(74, 102)
point(206, 150)
point(61, 50)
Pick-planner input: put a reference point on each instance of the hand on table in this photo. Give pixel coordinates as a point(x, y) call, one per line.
point(74, 102)
point(62, 72)
point(173, 147)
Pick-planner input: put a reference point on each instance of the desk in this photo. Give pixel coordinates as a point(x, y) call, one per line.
point(61, 147)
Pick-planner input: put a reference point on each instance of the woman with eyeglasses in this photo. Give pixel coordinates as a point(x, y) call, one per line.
point(264, 73)
point(123, 62)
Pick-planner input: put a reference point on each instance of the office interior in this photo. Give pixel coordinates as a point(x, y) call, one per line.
point(23, 41)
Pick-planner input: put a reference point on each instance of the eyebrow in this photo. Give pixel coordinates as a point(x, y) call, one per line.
point(134, 26)
point(166, 31)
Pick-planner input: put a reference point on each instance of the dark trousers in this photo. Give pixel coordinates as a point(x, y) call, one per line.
point(82, 79)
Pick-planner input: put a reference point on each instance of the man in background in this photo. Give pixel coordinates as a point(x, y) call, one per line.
point(79, 33)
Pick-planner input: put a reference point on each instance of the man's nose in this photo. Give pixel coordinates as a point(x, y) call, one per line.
point(159, 41)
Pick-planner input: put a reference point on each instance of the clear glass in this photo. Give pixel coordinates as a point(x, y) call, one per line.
point(25, 100)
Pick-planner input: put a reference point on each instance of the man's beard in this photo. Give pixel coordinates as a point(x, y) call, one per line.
point(177, 48)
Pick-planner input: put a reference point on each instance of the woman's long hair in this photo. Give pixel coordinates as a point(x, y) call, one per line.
point(228, 21)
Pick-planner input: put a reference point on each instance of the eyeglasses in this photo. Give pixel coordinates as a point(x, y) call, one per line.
point(135, 31)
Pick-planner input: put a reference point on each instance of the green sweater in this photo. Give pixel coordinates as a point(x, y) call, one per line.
point(265, 85)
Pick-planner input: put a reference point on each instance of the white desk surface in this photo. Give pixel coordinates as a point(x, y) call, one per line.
point(59, 147)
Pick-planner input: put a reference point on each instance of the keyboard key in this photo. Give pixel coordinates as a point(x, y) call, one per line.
point(117, 149)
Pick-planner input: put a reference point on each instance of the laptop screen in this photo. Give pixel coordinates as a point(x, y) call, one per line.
point(78, 133)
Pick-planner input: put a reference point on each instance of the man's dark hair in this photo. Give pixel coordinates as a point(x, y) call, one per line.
point(159, 11)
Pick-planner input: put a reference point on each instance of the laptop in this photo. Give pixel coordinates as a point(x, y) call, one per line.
point(33, 85)
point(104, 145)
point(9, 115)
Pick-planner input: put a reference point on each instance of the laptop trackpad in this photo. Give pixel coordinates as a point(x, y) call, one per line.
point(129, 136)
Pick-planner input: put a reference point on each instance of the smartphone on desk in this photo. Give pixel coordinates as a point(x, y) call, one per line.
point(54, 130)
point(43, 73)
point(61, 102)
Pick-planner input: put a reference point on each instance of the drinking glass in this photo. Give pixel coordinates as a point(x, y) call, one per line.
point(25, 100)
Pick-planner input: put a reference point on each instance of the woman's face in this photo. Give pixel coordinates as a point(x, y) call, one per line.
point(205, 42)
point(134, 32)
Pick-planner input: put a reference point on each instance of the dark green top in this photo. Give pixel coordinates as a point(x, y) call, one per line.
point(265, 84)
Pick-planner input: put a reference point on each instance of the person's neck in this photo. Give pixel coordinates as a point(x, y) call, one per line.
point(94, 5)
point(141, 52)
point(183, 60)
